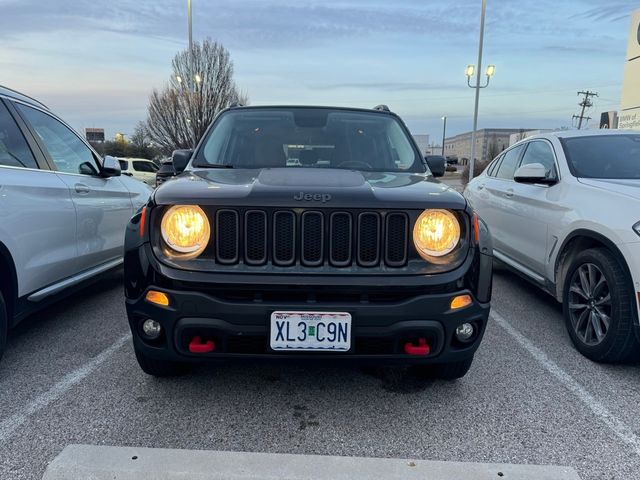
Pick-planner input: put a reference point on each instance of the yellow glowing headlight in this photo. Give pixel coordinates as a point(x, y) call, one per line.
point(436, 233)
point(185, 230)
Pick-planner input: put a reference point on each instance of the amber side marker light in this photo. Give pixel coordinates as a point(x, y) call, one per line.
point(461, 301)
point(158, 298)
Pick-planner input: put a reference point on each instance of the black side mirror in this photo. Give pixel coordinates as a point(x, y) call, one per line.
point(437, 165)
point(180, 159)
point(110, 167)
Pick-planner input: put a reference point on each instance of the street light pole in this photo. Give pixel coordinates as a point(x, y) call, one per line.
point(444, 131)
point(190, 27)
point(477, 87)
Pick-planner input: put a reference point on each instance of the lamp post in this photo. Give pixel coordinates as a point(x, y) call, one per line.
point(444, 131)
point(471, 69)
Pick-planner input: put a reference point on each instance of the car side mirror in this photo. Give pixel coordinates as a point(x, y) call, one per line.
point(110, 167)
point(437, 165)
point(533, 173)
point(180, 159)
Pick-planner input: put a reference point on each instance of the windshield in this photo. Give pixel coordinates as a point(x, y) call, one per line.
point(309, 137)
point(604, 156)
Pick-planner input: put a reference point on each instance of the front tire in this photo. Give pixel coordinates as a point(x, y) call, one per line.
point(4, 325)
point(159, 368)
point(444, 371)
point(598, 306)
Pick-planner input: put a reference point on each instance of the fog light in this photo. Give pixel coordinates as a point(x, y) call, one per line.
point(464, 332)
point(151, 329)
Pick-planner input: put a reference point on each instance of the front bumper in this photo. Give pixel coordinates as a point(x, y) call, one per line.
point(240, 327)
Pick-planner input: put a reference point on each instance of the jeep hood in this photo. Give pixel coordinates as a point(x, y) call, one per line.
point(314, 188)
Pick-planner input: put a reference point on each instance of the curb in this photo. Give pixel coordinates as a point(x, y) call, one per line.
point(84, 462)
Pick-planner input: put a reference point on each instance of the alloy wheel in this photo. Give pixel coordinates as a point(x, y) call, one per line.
point(590, 304)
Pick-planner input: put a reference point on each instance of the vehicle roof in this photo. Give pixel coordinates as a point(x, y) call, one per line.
point(323, 107)
point(135, 158)
point(14, 94)
point(584, 133)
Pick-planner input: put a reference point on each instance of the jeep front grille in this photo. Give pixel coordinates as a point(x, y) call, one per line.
point(311, 238)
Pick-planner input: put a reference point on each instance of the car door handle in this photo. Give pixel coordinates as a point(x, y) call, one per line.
point(481, 186)
point(509, 193)
point(81, 188)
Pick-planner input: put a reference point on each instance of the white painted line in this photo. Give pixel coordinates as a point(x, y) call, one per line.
point(617, 426)
point(12, 423)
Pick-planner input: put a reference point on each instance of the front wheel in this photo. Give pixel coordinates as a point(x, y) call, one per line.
point(598, 306)
point(159, 368)
point(445, 371)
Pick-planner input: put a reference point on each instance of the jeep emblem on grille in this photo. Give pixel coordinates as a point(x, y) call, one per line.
point(318, 197)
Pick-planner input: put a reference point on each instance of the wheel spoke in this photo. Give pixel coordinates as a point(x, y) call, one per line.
point(577, 306)
point(597, 328)
point(591, 276)
point(584, 281)
point(604, 318)
point(575, 288)
point(581, 319)
point(598, 286)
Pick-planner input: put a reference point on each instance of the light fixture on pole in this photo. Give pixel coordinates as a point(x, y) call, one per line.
point(444, 132)
point(471, 69)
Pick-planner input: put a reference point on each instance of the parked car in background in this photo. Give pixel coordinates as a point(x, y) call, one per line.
point(351, 253)
point(140, 169)
point(165, 172)
point(564, 212)
point(452, 160)
point(63, 209)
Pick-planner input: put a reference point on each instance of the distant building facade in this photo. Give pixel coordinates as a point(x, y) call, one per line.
point(489, 142)
point(423, 143)
point(630, 104)
point(94, 134)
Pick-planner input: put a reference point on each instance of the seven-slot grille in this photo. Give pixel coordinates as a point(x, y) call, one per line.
point(311, 238)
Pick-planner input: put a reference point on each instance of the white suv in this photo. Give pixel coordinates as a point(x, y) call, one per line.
point(140, 169)
point(63, 209)
point(564, 211)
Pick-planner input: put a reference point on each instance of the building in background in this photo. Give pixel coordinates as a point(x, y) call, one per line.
point(489, 143)
point(609, 120)
point(94, 134)
point(423, 143)
point(630, 104)
point(516, 137)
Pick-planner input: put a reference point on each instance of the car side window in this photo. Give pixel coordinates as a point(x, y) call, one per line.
point(144, 167)
point(491, 171)
point(67, 151)
point(509, 162)
point(14, 150)
point(123, 165)
point(540, 152)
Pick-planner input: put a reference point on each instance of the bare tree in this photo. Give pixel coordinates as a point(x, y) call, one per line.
point(201, 85)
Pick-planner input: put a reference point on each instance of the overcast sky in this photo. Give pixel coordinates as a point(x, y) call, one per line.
point(94, 62)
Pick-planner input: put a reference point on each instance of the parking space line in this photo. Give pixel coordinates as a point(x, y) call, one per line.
point(12, 423)
point(617, 426)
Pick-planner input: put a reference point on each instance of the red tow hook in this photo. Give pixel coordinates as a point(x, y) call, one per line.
point(421, 349)
point(198, 346)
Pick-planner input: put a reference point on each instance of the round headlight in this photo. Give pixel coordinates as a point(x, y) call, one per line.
point(436, 233)
point(185, 230)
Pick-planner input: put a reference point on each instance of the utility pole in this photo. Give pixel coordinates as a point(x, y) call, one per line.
point(585, 103)
point(444, 132)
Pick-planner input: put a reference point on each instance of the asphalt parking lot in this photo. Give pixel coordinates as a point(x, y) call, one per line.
point(69, 376)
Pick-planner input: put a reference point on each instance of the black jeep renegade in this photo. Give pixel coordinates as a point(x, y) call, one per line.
point(307, 233)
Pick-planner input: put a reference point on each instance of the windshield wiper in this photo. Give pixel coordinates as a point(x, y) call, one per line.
point(214, 165)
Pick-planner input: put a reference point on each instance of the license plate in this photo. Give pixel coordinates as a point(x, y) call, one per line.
point(311, 331)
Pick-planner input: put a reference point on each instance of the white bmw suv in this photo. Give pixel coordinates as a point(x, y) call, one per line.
point(564, 211)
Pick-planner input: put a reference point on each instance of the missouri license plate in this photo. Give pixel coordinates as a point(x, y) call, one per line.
point(311, 331)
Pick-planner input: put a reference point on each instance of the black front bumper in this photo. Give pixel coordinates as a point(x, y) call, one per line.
point(237, 319)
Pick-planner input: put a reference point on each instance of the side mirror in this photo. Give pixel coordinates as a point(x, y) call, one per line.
point(437, 165)
point(110, 167)
point(533, 173)
point(180, 159)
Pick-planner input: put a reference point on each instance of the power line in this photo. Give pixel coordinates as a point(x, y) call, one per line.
point(585, 103)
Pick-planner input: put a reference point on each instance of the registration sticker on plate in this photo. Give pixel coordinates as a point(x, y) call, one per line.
point(311, 331)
